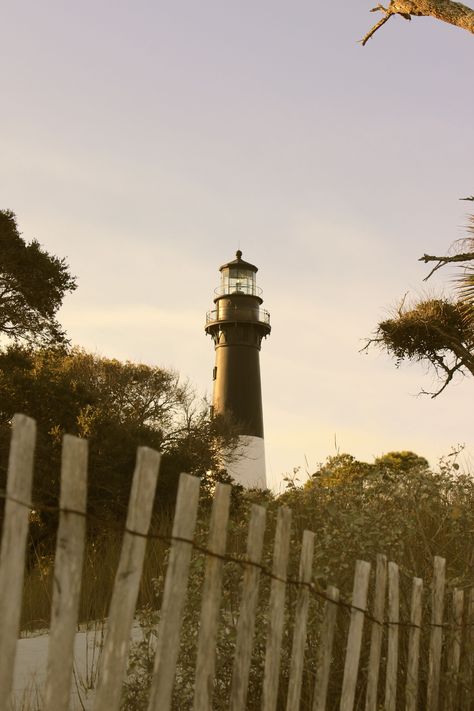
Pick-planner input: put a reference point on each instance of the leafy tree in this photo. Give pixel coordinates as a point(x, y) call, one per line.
point(401, 462)
point(117, 407)
point(437, 331)
point(397, 505)
point(339, 469)
point(454, 13)
point(32, 287)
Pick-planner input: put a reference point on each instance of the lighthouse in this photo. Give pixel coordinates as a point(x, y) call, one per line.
point(237, 325)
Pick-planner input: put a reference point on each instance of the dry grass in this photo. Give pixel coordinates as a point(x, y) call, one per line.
point(100, 563)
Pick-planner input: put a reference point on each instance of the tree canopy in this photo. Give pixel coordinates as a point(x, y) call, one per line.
point(117, 406)
point(397, 505)
point(341, 469)
point(33, 283)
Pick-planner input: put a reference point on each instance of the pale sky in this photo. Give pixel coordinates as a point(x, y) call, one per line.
point(147, 141)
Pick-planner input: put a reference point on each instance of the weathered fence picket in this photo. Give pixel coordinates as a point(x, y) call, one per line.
point(248, 609)
point(411, 687)
point(12, 556)
point(174, 594)
point(276, 617)
point(436, 638)
point(301, 618)
point(450, 659)
point(211, 595)
point(67, 573)
point(127, 582)
point(454, 652)
point(377, 633)
point(323, 664)
point(392, 642)
point(467, 690)
point(354, 639)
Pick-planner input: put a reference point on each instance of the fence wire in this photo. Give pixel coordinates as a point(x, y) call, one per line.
point(315, 589)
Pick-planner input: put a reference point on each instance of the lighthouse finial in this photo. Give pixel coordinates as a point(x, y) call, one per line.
point(238, 254)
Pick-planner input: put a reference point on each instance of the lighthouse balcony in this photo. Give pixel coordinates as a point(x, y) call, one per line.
point(233, 314)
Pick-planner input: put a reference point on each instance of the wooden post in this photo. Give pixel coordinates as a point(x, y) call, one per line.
point(301, 618)
point(67, 573)
point(414, 646)
point(248, 607)
point(174, 594)
point(12, 554)
point(211, 597)
point(468, 662)
point(127, 581)
point(276, 610)
point(454, 655)
point(324, 660)
point(436, 637)
point(376, 634)
point(392, 646)
point(354, 639)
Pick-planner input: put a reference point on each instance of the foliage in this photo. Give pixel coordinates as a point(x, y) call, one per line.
point(427, 329)
point(140, 663)
point(117, 406)
point(396, 505)
point(403, 462)
point(33, 284)
point(437, 331)
point(340, 469)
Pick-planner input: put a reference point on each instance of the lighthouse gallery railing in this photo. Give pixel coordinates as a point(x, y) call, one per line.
point(233, 313)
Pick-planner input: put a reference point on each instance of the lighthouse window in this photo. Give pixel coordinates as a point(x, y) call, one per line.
point(214, 372)
point(239, 281)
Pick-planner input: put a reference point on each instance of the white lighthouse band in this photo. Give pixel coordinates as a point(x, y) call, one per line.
point(248, 466)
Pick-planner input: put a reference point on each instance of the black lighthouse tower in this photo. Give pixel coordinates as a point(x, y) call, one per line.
point(237, 325)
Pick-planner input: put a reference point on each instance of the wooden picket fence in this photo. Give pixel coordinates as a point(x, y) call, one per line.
point(451, 642)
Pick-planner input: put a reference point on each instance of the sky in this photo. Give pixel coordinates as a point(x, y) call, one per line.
point(145, 142)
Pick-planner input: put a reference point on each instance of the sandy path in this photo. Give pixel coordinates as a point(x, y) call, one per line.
point(30, 668)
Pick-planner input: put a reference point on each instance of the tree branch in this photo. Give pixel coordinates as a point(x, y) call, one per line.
point(457, 367)
point(379, 24)
point(464, 354)
point(442, 261)
point(454, 13)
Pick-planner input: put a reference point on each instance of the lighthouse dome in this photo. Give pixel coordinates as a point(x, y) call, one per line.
point(238, 277)
point(239, 263)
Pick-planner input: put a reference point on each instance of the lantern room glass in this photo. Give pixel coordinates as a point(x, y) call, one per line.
point(238, 281)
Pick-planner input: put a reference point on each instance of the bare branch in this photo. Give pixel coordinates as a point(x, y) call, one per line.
point(402, 304)
point(375, 340)
point(449, 376)
point(454, 13)
point(378, 25)
point(442, 261)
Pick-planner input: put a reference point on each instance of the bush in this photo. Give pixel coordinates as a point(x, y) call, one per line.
point(397, 506)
